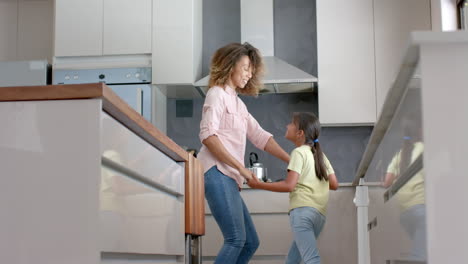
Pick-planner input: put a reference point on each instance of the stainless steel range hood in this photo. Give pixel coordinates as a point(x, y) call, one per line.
point(257, 29)
point(280, 77)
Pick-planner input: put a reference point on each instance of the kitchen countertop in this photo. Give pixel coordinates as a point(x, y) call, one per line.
point(112, 104)
point(118, 109)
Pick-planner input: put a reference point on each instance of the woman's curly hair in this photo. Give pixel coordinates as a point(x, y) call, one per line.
point(224, 61)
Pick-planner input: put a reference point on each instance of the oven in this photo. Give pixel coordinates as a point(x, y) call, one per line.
point(133, 85)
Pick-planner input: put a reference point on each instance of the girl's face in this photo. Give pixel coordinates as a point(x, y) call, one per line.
point(291, 132)
point(241, 74)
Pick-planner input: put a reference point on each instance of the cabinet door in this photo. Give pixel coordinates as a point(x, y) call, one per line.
point(78, 27)
point(392, 36)
point(177, 37)
point(127, 27)
point(35, 29)
point(346, 71)
point(8, 29)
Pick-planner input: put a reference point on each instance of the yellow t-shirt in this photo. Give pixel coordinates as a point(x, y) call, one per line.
point(309, 190)
point(412, 193)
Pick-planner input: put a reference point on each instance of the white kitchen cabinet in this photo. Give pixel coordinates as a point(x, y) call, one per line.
point(394, 20)
point(102, 27)
point(78, 27)
point(35, 29)
point(269, 212)
point(8, 29)
point(127, 27)
point(177, 41)
point(346, 71)
point(26, 28)
point(360, 47)
point(103, 187)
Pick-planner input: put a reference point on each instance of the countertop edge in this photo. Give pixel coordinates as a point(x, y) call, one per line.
point(112, 104)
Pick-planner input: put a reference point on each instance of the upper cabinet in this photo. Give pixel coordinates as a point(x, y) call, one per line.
point(78, 27)
point(360, 46)
point(8, 30)
point(177, 41)
point(26, 29)
point(127, 27)
point(102, 27)
point(345, 56)
point(35, 29)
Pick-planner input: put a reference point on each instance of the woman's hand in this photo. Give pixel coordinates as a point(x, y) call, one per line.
point(253, 183)
point(246, 173)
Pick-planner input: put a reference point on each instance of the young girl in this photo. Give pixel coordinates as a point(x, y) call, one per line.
point(310, 176)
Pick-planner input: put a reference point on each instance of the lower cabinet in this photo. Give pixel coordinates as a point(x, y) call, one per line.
point(141, 196)
point(137, 218)
point(73, 194)
point(269, 211)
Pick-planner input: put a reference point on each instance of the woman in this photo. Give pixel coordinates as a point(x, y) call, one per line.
point(224, 128)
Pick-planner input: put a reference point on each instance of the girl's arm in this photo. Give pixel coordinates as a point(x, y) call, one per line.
point(274, 149)
point(264, 140)
point(388, 180)
point(333, 182)
point(286, 185)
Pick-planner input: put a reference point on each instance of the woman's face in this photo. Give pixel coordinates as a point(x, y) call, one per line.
point(241, 74)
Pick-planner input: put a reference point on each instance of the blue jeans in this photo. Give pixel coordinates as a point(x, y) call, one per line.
point(233, 218)
point(306, 224)
point(413, 221)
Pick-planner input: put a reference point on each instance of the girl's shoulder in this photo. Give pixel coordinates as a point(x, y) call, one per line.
point(301, 151)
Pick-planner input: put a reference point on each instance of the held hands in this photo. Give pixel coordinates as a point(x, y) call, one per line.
point(253, 183)
point(246, 173)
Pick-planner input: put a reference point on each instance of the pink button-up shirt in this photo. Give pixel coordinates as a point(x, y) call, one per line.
point(226, 116)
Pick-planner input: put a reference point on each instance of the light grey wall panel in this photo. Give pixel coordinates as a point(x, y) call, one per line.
point(221, 25)
point(295, 31)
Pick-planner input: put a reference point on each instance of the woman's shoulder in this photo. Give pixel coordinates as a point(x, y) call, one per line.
point(215, 96)
point(215, 91)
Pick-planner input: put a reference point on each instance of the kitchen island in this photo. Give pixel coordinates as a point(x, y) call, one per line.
point(85, 179)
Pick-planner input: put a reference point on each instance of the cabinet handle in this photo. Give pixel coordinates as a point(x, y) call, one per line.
point(139, 96)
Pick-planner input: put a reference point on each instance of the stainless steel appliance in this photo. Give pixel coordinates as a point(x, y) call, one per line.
point(257, 167)
point(24, 73)
point(133, 85)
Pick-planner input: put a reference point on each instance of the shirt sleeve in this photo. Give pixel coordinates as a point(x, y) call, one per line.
point(212, 113)
point(256, 134)
point(296, 163)
point(393, 166)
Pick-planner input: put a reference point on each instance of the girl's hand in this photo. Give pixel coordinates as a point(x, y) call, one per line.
point(253, 183)
point(246, 173)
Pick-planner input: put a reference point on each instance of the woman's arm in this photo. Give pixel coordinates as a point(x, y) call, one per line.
point(264, 140)
point(333, 182)
point(287, 185)
point(276, 150)
point(217, 148)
